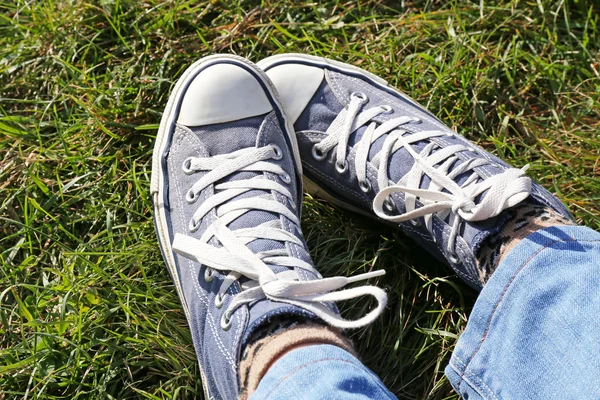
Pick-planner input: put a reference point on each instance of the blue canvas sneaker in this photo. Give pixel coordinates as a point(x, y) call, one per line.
point(369, 148)
point(226, 187)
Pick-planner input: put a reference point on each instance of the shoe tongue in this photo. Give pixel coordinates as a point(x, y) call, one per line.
point(217, 138)
point(226, 138)
point(323, 108)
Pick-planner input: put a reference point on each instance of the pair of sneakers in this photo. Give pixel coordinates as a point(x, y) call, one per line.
point(234, 144)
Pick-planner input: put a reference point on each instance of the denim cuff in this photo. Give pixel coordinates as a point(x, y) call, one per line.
point(534, 329)
point(320, 372)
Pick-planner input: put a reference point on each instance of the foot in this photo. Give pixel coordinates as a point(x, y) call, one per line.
point(227, 197)
point(369, 148)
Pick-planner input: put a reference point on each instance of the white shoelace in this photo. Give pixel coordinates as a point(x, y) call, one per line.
point(237, 260)
point(504, 190)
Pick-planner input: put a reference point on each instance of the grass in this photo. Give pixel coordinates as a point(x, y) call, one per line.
point(87, 309)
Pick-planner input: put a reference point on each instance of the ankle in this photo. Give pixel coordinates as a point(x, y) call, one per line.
point(524, 220)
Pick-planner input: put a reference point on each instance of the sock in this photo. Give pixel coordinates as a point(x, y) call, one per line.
point(525, 219)
point(268, 344)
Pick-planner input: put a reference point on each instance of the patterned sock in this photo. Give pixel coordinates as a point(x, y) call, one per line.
point(268, 344)
point(524, 219)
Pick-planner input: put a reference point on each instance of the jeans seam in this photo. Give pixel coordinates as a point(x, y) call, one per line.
point(506, 288)
point(311, 363)
point(478, 385)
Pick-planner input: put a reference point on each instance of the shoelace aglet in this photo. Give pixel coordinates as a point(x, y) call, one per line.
point(366, 275)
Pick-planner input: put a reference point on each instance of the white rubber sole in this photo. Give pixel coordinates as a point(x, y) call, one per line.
point(158, 176)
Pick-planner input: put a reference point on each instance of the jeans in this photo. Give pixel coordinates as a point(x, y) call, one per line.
point(534, 333)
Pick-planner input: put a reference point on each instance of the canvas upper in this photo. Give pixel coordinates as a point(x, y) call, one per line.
point(372, 149)
point(226, 186)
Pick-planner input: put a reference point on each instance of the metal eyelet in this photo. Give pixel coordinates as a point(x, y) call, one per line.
point(191, 197)
point(226, 321)
point(365, 186)
point(318, 154)
point(278, 153)
point(286, 178)
point(187, 166)
point(387, 109)
point(193, 225)
point(389, 204)
point(292, 203)
point(360, 95)
point(453, 258)
point(219, 300)
point(208, 275)
point(415, 222)
point(341, 169)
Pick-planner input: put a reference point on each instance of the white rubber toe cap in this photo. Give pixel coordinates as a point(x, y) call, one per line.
point(222, 92)
point(296, 85)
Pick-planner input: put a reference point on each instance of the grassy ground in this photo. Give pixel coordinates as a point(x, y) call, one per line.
point(87, 309)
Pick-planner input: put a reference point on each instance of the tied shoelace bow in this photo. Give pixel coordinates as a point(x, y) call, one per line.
point(237, 260)
point(443, 196)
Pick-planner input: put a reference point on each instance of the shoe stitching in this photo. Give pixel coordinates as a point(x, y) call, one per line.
point(400, 105)
point(201, 295)
point(211, 322)
point(337, 91)
point(195, 273)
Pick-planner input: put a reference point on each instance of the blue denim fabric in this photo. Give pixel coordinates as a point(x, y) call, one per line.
point(534, 332)
point(320, 372)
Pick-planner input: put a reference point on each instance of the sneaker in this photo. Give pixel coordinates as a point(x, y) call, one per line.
point(370, 148)
point(226, 187)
